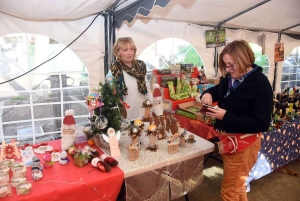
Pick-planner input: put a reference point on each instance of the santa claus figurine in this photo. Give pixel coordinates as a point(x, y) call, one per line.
point(68, 130)
point(157, 104)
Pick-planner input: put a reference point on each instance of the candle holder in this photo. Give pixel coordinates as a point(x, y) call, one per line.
point(16, 164)
point(15, 180)
point(19, 171)
point(4, 178)
point(4, 169)
point(5, 190)
point(6, 162)
point(23, 188)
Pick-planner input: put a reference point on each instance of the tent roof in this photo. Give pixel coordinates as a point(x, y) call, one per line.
point(268, 15)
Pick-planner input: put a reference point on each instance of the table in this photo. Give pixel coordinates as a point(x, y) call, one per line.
point(278, 148)
point(160, 175)
point(69, 182)
point(198, 127)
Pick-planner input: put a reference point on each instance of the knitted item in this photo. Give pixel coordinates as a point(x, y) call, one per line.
point(97, 163)
point(109, 160)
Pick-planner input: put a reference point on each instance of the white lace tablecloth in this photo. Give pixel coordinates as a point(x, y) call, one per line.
point(160, 175)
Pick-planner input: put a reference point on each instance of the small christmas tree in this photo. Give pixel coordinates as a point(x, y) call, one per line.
point(109, 113)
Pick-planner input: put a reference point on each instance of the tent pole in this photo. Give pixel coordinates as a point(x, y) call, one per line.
point(276, 65)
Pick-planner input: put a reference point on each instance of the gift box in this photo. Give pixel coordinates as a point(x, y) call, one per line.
point(203, 87)
point(192, 107)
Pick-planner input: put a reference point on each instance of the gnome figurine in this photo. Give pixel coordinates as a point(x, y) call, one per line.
point(37, 162)
point(64, 158)
point(68, 130)
point(36, 170)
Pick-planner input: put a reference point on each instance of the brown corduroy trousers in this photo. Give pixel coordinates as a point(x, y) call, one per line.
point(236, 170)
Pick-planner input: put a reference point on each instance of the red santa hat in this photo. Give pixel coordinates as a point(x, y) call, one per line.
point(69, 119)
point(156, 92)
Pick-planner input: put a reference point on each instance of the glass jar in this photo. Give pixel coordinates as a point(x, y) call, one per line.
point(4, 178)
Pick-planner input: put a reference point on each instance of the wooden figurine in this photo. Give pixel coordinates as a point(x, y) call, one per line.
point(173, 143)
point(160, 126)
point(134, 147)
point(152, 135)
point(147, 105)
point(113, 141)
point(182, 139)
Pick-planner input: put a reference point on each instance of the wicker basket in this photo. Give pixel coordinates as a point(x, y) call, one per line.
point(80, 160)
point(100, 142)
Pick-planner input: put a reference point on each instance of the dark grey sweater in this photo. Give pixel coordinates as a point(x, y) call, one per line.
point(248, 107)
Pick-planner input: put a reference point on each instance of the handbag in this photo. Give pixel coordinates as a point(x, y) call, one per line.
point(233, 143)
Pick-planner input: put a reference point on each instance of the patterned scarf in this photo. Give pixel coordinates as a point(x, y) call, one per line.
point(138, 70)
point(236, 83)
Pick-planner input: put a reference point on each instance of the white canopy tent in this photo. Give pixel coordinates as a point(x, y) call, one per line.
point(65, 20)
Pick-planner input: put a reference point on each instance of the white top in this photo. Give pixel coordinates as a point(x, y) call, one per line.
point(135, 98)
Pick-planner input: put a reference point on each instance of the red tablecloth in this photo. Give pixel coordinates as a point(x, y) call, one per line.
point(69, 182)
point(197, 127)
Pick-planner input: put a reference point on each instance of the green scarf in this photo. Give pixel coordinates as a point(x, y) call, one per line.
point(138, 70)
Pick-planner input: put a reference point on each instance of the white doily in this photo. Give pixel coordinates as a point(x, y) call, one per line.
point(43, 149)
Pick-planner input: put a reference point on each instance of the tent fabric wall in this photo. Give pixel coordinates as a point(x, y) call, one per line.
point(89, 47)
point(145, 32)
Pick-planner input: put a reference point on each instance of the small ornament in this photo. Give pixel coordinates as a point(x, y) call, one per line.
point(9, 150)
point(87, 130)
point(173, 143)
point(36, 172)
point(109, 78)
point(113, 140)
point(48, 163)
point(191, 139)
point(63, 158)
point(72, 151)
point(101, 122)
point(37, 162)
point(134, 147)
point(152, 129)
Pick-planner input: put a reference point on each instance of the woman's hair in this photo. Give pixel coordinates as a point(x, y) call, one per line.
point(241, 53)
point(120, 43)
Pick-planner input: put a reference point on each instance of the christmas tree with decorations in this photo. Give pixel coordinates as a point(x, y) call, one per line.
point(108, 114)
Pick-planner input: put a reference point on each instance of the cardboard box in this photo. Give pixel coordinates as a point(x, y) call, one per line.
point(192, 107)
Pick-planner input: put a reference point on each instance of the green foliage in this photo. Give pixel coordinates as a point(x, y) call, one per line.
point(110, 108)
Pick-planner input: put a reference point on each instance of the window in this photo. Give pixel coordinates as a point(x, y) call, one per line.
point(32, 106)
point(162, 53)
point(260, 60)
point(291, 70)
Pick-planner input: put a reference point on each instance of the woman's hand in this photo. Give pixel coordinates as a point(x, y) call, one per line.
point(206, 99)
point(216, 113)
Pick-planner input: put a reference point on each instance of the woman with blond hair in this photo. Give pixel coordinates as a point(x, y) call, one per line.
point(131, 78)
